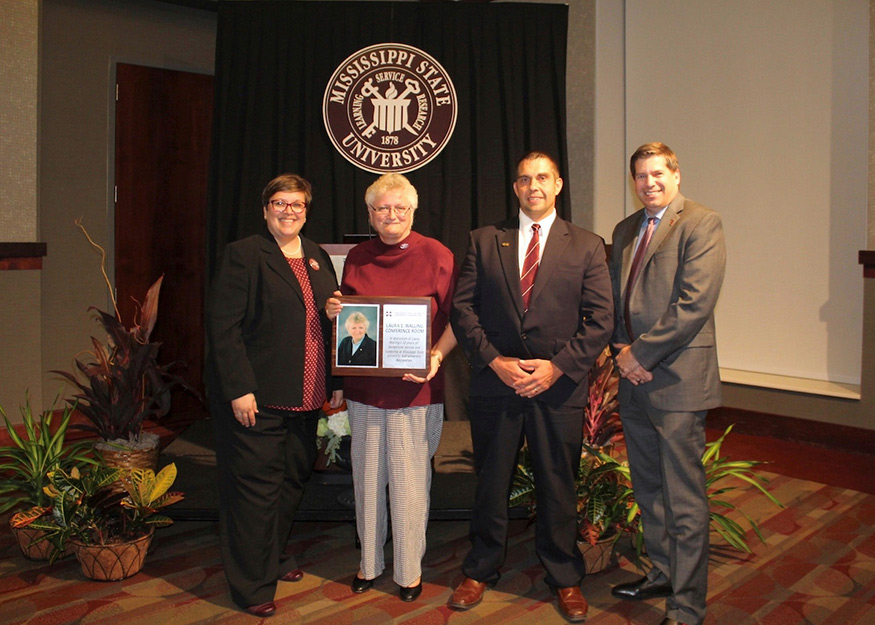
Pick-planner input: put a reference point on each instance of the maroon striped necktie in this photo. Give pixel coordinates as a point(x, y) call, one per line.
point(530, 267)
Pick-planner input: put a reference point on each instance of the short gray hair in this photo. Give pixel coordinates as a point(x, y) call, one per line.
point(392, 182)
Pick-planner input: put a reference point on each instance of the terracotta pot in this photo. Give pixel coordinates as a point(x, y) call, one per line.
point(38, 552)
point(598, 557)
point(112, 562)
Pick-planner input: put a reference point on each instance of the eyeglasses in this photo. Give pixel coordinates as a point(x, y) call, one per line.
point(280, 206)
point(382, 211)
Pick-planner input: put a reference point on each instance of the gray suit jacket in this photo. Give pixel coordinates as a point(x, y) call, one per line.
point(671, 310)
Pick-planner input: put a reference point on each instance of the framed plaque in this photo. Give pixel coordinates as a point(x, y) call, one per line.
point(382, 336)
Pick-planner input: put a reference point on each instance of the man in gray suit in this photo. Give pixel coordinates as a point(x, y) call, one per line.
point(667, 265)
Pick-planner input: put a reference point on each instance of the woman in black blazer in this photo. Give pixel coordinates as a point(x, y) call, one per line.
point(268, 377)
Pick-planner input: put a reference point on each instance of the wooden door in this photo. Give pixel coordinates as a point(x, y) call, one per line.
point(162, 134)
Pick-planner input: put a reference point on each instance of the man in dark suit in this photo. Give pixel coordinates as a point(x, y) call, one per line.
point(667, 265)
point(532, 311)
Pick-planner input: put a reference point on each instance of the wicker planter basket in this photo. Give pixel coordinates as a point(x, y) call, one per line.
point(598, 557)
point(37, 552)
point(116, 456)
point(126, 458)
point(112, 562)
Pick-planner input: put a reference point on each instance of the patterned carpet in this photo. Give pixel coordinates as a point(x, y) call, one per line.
point(817, 567)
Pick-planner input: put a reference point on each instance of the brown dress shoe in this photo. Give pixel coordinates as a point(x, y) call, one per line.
point(293, 576)
point(572, 605)
point(262, 609)
point(467, 594)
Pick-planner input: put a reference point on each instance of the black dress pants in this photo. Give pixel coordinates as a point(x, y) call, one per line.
point(554, 434)
point(262, 471)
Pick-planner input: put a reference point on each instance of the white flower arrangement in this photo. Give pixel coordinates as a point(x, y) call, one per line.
point(333, 428)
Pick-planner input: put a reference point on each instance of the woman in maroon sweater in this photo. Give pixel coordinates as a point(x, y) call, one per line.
point(396, 422)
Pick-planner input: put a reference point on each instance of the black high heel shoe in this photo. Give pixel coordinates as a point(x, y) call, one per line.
point(410, 593)
point(360, 585)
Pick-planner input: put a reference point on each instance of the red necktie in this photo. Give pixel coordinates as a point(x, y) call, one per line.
point(530, 267)
point(636, 267)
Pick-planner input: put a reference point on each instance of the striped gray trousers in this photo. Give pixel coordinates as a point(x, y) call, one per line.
point(393, 447)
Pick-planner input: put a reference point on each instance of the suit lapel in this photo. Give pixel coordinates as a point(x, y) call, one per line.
point(669, 219)
point(276, 261)
point(628, 247)
point(551, 259)
point(507, 242)
point(666, 224)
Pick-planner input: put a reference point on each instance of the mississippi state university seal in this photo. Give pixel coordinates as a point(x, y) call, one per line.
point(390, 108)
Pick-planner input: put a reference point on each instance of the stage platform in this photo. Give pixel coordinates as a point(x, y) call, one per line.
point(329, 494)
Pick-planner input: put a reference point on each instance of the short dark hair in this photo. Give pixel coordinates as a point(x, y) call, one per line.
point(654, 149)
point(287, 182)
point(534, 155)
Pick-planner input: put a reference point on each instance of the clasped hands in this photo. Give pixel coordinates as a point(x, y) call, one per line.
point(529, 378)
point(630, 368)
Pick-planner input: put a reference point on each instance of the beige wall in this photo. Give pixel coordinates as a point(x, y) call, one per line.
point(19, 57)
point(20, 366)
point(626, 108)
point(82, 40)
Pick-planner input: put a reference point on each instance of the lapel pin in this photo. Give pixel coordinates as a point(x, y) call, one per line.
point(314, 264)
point(505, 244)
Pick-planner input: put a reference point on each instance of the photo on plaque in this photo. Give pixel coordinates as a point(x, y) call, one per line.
point(382, 336)
point(358, 325)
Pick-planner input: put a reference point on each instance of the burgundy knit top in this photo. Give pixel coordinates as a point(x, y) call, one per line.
point(416, 267)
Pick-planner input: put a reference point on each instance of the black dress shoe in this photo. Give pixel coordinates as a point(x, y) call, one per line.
point(410, 593)
point(262, 609)
point(670, 621)
point(642, 589)
point(360, 585)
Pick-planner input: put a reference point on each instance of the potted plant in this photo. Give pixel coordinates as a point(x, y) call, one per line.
point(110, 532)
point(120, 382)
point(24, 467)
point(719, 470)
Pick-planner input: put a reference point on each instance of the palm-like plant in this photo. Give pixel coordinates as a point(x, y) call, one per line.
point(718, 469)
point(24, 466)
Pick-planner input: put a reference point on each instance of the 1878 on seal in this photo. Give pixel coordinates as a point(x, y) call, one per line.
point(390, 107)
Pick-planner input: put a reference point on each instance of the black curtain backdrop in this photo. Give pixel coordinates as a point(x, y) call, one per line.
point(274, 59)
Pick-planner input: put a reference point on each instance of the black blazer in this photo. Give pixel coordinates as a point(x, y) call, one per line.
point(256, 322)
point(570, 317)
point(366, 354)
